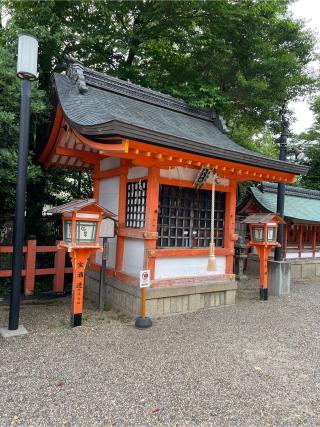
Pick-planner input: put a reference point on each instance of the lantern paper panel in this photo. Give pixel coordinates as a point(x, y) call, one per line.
point(258, 234)
point(271, 234)
point(67, 237)
point(86, 231)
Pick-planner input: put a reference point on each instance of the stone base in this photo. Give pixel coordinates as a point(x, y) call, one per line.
point(279, 278)
point(161, 302)
point(301, 268)
point(7, 333)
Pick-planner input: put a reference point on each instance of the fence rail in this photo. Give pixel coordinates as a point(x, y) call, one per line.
point(30, 271)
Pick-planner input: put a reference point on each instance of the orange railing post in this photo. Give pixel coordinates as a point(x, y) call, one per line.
point(30, 267)
point(59, 267)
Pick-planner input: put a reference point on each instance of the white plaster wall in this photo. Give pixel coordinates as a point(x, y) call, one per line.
point(133, 256)
point(109, 163)
point(109, 194)
point(292, 255)
point(109, 199)
point(137, 172)
point(306, 255)
point(187, 266)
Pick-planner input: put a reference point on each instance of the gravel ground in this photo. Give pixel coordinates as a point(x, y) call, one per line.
point(252, 364)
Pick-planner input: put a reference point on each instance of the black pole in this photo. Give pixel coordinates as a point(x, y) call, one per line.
point(18, 233)
point(281, 186)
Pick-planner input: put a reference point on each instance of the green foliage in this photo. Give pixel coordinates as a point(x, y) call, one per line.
point(5, 287)
point(312, 179)
point(244, 58)
point(44, 187)
point(310, 142)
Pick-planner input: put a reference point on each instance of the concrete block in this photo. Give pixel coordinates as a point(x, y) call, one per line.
point(216, 287)
point(6, 333)
point(166, 306)
point(308, 270)
point(194, 302)
point(173, 304)
point(207, 300)
point(201, 301)
point(179, 304)
point(152, 308)
point(160, 306)
point(279, 276)
point(230, 297)
point(185, 304)
point(222, 298)
point(169, 292)
point(296, 271)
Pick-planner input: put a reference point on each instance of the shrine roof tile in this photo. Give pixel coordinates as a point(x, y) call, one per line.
point(100, 105)
point(299, 204)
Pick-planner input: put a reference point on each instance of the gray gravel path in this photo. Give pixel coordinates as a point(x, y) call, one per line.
point(252, 364)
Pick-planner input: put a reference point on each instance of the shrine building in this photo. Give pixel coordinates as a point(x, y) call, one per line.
point(301, 244)
point(145, 150)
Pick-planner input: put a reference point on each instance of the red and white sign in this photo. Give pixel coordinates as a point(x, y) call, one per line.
point(144, 278)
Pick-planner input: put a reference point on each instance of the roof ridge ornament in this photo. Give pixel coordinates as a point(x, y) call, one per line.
point(75, 73)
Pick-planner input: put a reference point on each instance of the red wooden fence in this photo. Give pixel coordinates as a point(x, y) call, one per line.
point(30, 270)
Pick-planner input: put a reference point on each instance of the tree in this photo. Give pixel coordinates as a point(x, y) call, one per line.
point(44, 187)
point(243, 58)
point(310, 142)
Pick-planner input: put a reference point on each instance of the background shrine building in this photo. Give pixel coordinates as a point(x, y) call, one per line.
point(301, 245)
point(145, 150)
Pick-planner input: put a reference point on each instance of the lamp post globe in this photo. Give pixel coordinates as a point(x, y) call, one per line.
point(27, 57)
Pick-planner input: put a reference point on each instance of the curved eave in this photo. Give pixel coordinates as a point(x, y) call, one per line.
point(115, 128)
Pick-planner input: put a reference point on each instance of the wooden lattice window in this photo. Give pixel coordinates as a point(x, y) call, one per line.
point(184, 218)
point(136, 204)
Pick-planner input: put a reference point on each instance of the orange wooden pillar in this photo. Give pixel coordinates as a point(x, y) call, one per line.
point(79, 259)
point(151, 221)
point(314, 240)
point(59, 266)
point(300, 237)
point(263, 252)
point(121, 213)
point(229, 224)
point(30, 267)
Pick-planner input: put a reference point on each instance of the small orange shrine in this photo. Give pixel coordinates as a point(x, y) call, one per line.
point(145, 150)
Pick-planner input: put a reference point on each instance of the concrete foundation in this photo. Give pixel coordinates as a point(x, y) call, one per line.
point(301, 268)
point(279, 277)
point(7, 333)
point(160, 301)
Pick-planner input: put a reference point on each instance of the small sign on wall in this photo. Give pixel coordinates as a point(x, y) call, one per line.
point(108, 228)
point(144, 278)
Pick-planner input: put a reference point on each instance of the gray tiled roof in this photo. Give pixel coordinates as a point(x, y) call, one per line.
point(112, 107)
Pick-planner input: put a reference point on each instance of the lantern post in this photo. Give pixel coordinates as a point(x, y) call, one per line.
point(81, 220)
point(263, 236)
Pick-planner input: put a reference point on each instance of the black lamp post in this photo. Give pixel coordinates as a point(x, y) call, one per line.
point(27, 71)
point(281, 186)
